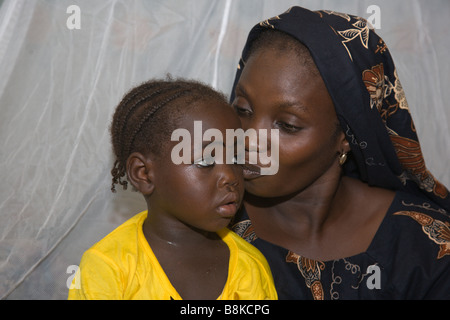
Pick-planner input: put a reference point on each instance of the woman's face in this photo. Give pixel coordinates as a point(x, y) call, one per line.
point(276, 92)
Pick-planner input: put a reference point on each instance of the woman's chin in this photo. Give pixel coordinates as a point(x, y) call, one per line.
point(261, 187)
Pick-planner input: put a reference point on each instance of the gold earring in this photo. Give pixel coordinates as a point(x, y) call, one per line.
point(342, 158)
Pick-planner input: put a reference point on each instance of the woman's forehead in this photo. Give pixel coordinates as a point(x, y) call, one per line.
point(212, 114)
point(276, 77)
point(282, 68)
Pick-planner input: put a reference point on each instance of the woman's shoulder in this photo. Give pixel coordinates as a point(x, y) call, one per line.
point(421, 223)
point(407, 207)
point(410, 201)
point(241, 246)
point(413, 247)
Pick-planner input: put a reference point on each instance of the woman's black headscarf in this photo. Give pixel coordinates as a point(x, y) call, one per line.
point(370, 103)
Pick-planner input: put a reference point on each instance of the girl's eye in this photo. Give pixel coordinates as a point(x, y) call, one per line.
point(204, 163)
point(208, 162)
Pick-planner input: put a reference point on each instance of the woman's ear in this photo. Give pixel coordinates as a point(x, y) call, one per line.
point(140, 173)
point(344, 145)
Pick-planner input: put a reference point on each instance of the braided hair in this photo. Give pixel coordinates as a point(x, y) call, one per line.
point(148, 114)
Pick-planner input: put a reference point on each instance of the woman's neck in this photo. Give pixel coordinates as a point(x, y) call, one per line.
point(322, 224)
point(309, 209)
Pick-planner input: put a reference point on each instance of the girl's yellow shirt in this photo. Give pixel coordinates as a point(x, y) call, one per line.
point(123, 266)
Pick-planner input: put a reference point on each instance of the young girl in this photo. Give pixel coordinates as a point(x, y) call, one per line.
point(180, 247)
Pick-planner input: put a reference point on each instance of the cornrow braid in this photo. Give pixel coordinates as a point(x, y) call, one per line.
point(148, 116)
point(137, 104)
point(137, 123)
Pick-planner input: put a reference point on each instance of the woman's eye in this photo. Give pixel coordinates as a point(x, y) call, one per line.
point(288, 127)
point(242, 111)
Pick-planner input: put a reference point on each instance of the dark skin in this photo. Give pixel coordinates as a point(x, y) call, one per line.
point(308, 207)
point(187, 205)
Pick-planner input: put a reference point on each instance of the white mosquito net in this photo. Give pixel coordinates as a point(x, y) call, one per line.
point(61, 79)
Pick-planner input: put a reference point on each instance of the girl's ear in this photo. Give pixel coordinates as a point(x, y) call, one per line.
point(140, 173)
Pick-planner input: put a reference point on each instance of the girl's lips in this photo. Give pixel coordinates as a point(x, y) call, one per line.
point(251, 171)
point(228, 210)
point(229, 205)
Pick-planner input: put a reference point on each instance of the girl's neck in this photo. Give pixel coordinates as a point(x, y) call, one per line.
point(159, 228)
point(202, 256)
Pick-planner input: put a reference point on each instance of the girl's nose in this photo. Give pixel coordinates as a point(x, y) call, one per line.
point(230, 176)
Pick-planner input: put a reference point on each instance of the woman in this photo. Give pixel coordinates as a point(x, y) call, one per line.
point(352, 213)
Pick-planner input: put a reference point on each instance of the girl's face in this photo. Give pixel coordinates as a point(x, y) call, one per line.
point(276, 92)
point(201, 195)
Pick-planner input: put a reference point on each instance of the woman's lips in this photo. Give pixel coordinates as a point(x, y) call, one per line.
point(251, 171)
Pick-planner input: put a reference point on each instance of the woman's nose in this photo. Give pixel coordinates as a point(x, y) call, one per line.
point(257, 138)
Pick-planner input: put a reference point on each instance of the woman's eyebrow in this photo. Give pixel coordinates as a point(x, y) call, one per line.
point(297, 105)
point(239, 88)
